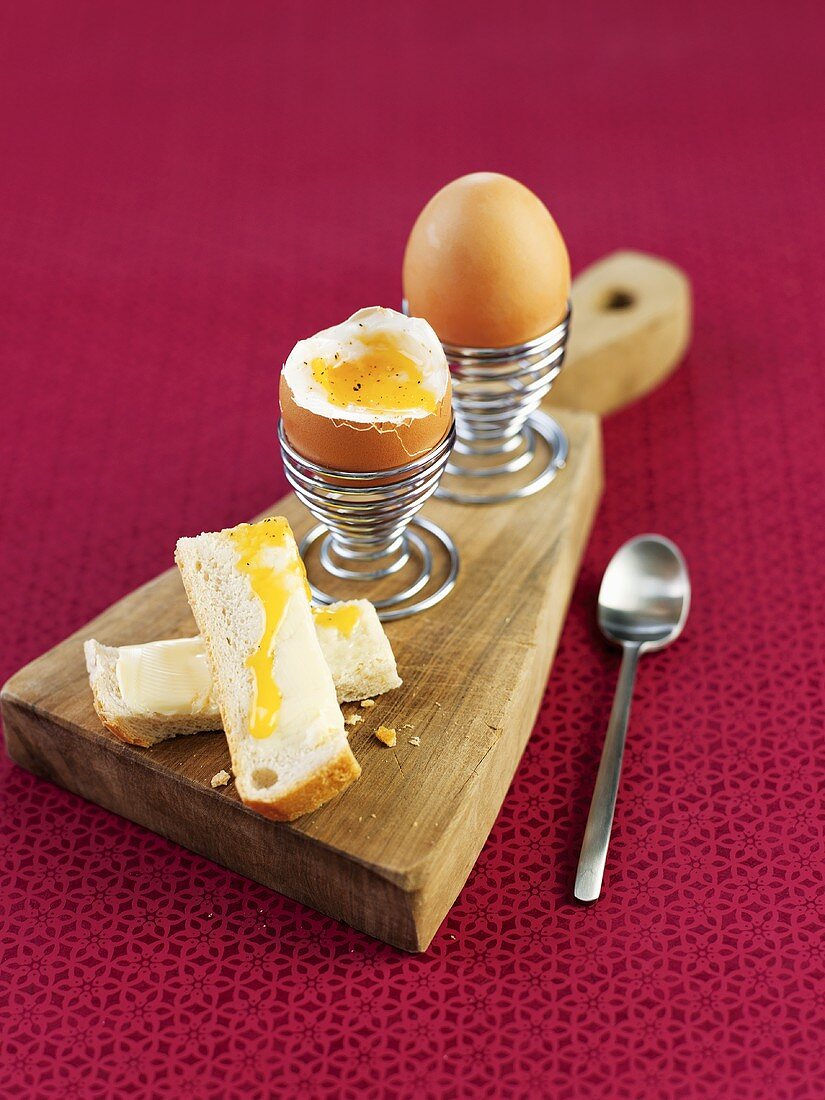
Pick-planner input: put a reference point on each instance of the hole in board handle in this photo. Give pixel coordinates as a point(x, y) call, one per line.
point(618, 299)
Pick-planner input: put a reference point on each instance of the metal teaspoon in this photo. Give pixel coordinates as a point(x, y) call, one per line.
point(643, 604)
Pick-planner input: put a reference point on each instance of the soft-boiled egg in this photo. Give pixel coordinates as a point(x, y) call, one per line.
point(486, 264)
point(371, 393)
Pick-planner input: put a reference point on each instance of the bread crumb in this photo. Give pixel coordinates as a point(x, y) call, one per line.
point(416, 741)
point(386, 736)
point(220, 779)
point(367, 703)
point(353, 719)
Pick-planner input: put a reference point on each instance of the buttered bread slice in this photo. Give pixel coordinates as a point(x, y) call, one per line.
point(248, 592)
point(356, 649)
point(148, 693)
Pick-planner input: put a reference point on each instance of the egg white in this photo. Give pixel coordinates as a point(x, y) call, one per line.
point(412, 335)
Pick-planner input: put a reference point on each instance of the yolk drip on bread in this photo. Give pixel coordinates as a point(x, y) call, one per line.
point(369, 394)
point(273, 584)
point(277, 698)
point(344, 617)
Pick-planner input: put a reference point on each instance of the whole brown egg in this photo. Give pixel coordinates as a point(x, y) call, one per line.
point(486, 264)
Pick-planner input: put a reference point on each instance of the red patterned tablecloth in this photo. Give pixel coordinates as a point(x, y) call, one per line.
point(186, 189)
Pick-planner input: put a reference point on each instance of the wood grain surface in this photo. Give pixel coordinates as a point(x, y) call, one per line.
point(391, 853)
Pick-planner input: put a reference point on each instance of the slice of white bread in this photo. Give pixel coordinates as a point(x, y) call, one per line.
point(356, 649)
point(247, 590)
point(352, 639)
point(139, 725)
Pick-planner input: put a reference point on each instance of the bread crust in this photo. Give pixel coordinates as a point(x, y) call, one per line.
point(331, 780)
point(123, 733)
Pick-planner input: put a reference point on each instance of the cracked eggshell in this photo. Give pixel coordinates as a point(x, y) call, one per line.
point(357, 447)
point(374, 441)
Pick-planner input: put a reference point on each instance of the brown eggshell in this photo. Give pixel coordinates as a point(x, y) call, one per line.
point(359, 448)
point(486, 264)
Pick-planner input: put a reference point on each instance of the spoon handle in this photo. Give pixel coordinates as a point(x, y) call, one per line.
point(600, 819)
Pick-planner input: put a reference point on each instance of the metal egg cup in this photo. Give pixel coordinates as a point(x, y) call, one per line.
point(368, 525)
point(496, 397)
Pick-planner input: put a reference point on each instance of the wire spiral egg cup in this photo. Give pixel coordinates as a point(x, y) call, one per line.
point(496, 397)
point(364, 522)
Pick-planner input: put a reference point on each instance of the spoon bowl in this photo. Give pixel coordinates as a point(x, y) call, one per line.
point(644, 598)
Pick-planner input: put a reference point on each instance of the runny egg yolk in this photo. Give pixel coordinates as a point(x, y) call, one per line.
point(344, 619)
point(273, 587)
point(382, 379)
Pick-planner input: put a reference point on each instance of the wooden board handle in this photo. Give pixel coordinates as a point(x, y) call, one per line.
point(631, 328)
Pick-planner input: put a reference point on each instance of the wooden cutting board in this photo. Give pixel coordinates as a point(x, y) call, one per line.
point(391, 853)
